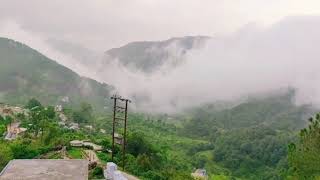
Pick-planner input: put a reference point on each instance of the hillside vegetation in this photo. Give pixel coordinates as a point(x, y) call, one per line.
point(158, 148)
point(25, 73)
point(244, 141)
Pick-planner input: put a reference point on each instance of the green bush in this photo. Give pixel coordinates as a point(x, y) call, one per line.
point(96, 173)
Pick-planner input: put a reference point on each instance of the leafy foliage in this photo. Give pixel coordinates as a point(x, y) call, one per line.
point(254, 147)
point(32, 103)
point(304, 155)
point(5, 155)
point(83, 115)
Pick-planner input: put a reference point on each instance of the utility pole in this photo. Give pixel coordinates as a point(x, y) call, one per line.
point(118, 109)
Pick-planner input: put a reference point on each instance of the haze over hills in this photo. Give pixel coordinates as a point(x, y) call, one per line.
point(182, 72)
point(146, 57)
point(131, 64)
point(83, 55)
point(149, 56)
point(25, 73)
point(179, 73)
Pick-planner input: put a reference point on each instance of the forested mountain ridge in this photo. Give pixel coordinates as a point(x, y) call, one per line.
point(249, 139)
point(25, 73)
point(276, 110)
point(148, 56)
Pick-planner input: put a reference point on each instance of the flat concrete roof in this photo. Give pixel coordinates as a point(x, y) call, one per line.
point(45, 169)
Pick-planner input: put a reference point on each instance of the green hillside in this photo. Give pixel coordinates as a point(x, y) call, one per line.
point(249, 139)
point(25, 73)
point(147, 56)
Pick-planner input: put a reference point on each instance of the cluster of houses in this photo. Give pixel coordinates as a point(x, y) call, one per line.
point(70, 125)
point(13, 129)
point(7, 110)
point(63, 119)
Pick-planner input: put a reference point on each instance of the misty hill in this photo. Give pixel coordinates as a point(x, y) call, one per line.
point(147, 56)
point(25, 73)
point(275, 111)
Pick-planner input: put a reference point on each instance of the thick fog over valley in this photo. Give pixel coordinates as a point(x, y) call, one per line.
point(173, 73)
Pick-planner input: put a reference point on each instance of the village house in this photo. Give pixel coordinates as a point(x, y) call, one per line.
point(13, 130)
point(78, 143)
point(7, 112)
point(63, 117)
point(200, 174)
point(95, 147)
point(58, 108)
point(88, 126)
point(65, 99)
point(74, 126)
point(103, 131)
point(118, 139)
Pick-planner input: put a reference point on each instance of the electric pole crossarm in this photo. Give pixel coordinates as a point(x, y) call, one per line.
point(120, 107)
point(122, 119)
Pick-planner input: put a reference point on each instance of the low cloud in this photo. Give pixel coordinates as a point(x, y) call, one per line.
point(250, 61)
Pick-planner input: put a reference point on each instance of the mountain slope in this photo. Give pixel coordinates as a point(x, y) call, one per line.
point(147, 56)
point(25, 73)
point(275, 111)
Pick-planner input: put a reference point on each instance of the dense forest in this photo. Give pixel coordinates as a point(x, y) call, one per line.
point(256, 139)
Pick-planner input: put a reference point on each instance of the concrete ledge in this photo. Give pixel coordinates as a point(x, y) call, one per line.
point(49, 169)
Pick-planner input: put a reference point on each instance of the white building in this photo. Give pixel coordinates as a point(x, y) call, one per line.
point(58, 108)
point(74, 126)
point(200, 174)
point(76, 143)
point(111, 172)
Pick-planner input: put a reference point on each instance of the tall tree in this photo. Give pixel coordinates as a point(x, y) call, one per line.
point(304, 156)
point(33, 103)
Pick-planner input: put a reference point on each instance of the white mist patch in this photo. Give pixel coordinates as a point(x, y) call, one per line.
point(12, 30)
point(251, 61)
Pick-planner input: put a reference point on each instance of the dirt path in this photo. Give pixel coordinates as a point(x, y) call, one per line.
point(92, 156)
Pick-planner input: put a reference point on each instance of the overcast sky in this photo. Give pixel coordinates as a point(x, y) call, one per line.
point(103, 24)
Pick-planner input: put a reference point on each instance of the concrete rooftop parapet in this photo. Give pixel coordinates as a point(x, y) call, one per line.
point(45, 169)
